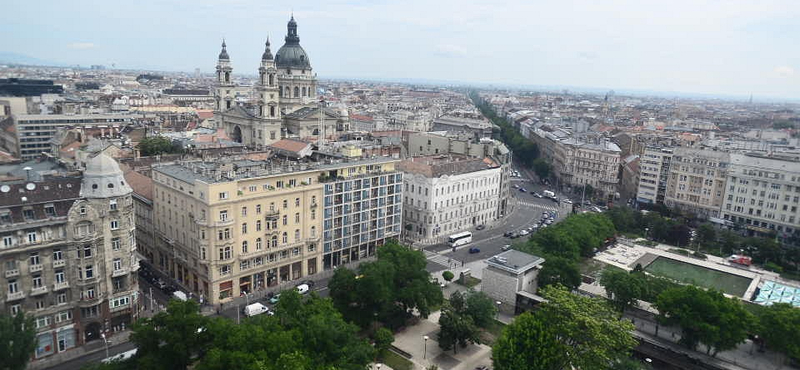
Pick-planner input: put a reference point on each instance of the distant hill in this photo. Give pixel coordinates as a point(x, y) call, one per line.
point(7, 57)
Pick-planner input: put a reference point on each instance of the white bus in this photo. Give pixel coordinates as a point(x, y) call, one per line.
point(460, 239)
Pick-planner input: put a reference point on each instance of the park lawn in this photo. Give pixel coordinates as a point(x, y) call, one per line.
point(395, 361)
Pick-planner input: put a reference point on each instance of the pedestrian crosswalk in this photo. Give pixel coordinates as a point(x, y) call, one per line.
point(440, 259)
point(549, 207)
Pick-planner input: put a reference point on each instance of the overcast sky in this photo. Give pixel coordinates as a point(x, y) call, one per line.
point(721, 47)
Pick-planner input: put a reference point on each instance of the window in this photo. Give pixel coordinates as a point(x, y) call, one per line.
point(5, 217)
point(296, 201)
point(120, 302)
point(313, 214)
point(285, 204)
point(12, 286)
point(285, 237)
point(274, 242)
point(312, 247)
point(297, 218)
point(112, 204)
point(244, 246)
point(31, 237)
point(87, 251)
point(244, 211)
point(244, 228)
point(15, 309)
point(117, 264)
point(223, 216)
point(64, 316)
point(28, 214)
point(258, 225)
point(59, 275)
point(50, 210)
point(258, 244)
point(297, 235)
point(223, 195)
point(37, 281)
point(114, 225)
point(225, 253)
point(224, 270)
point(244, 265)
point(252, 188)
point(285, 220)
point(57, 256)
point(313, 231)
point(34, 260)
point(8, 242)
point(88, 271)
point(258, 209)
point(43, 321)
point(115, 244)
point(61, 298)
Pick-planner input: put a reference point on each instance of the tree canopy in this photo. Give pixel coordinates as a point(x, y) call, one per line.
point(388, 289)
point(779, 325)
point(705, 316)
point(17, 340)
point(529, 342)
point(156, 145)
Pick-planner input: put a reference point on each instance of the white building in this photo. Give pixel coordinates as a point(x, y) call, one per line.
point(446, 194)
point(653, 175)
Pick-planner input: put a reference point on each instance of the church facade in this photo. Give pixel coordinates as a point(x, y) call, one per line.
point(285, 102)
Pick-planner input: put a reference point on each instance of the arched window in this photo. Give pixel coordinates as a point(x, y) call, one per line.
point(313, 231)
point(288, 92)
point(258, 225)
point(244, 246)
point(227, 77)
point(280, 91)
point(258, 244)
point(285, 237)
point(304, 91)
point(244, 228)
point(285, 220)
point(297, 235)
point(297, 218)
point(271, 79)
point(272, 111)
point(296, 91)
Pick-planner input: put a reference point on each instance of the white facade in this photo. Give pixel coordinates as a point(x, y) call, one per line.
point(653, 175)
point(445, 205)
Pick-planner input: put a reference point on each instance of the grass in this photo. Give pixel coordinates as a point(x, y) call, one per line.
point(471, 282)
point(699, 276)
point(492, 332)
point(395, 361)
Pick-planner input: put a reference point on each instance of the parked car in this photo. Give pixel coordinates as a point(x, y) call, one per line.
point(255, 309)
point(566, 201)
point(522, 190)
point(275, 299)
point(516, 186)
point(303, 288)
point(474, 250)
point(514, 235)
point(508, 234)
point(535, 194)
point(523, 232)
point(480, 227)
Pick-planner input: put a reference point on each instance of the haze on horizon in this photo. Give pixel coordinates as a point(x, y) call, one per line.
point(733, 48)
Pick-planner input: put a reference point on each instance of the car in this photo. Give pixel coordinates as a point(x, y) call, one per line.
point(523, 232)
point(535, 226)
point(545, 214)
point(506, 247)
point(310, 283)
point(566, 201)
point(508, 234)
point(255, 309)
point(523, 190)
point(535, 194)
point(514, 235)
point(303, 288)
point(516, 186)
point(480, 227)
point(474, 250)
point(549, 221)
point(275, 299)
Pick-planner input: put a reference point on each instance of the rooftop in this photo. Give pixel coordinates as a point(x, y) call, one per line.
point(515, 262)
point(450, 164)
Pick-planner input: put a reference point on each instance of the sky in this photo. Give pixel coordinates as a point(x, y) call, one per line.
point(727, 47)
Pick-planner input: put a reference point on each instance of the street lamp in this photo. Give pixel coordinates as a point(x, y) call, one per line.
point(646, 232)
point(424, 348)
point(498, 308)
point(103, 335)
point(246, 298)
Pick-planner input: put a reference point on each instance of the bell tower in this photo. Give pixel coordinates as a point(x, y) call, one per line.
point(225, 88)
point(268, 86)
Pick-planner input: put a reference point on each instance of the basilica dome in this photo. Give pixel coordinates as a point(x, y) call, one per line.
point(291, 54)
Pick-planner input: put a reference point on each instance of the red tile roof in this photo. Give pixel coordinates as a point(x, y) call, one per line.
point(289, 145)
point(141, 184)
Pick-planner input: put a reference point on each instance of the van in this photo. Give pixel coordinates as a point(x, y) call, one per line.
point(303, 288)
point(255, 309)
point(548, 194)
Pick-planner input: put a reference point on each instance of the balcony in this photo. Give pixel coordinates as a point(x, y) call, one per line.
point(60, 286)
point(271, 215)
point(12, 273)
point(36, 268)
point(40, 290)
point(59, 263)
point(226, 222)
point(15, 296)
point(120, 272)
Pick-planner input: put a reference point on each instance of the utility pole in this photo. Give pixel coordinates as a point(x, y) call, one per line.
point(151, 299)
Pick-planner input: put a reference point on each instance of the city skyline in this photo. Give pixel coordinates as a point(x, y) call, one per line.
point(687, 47)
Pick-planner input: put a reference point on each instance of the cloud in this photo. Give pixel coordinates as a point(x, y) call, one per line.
point(450, 51)
point(587, 55)
point(784, 71)
point(81, 45)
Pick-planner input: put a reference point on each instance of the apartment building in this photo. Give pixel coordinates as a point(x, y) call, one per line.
point(446, 194)
point(654, 167)
point(594, 163)
point(68, 251)
point(696, 181)
point(233, 226)
point(763, 194)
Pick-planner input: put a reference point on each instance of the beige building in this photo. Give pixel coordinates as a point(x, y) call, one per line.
point(68, 251)
point(763, 194)
point(235, 226)
point(595, 163)
point(696, 181)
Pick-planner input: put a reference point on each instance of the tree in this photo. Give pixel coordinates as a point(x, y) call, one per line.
point(623, 288)
point(456, 330)
point(542, 168)
point(448, 276)
point(529, 342)
point(706, 235)
point(588, 326)
point(169, 340)
point(779, 325)
point(480, 307)
point(705, 317)
point(383, 339)
point(559, 271)
point(156, 145)
point(17, 340)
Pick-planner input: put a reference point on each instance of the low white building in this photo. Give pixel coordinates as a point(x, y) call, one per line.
point(446, 194)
